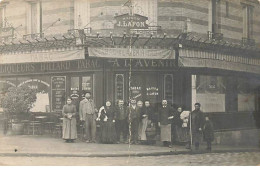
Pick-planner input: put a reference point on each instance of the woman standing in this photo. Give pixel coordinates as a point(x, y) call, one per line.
point(181, 130)
point(107, 117)
point(69, 129)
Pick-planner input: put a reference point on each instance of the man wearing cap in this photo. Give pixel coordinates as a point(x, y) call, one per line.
point(87, 114)
point(133, 118)
point(197, 122)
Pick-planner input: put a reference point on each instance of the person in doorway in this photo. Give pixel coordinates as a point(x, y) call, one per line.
point(121, 121)
point(165, 117)
point(69, 129)
point(106, 115)
point(140, 109)
point(208, 132)
point(146, 118)
point(133, 121)
point(87, 113)
point(181, 131)
point(197, 123)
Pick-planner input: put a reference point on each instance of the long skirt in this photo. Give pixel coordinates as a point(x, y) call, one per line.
point(69, 129)
point(108, 132)
point(166, 132)
point(181, 134)
point(142, 129)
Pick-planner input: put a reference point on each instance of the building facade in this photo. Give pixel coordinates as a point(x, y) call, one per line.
point(184, 51)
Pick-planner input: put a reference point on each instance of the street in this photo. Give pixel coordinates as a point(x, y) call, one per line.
point(209, 159)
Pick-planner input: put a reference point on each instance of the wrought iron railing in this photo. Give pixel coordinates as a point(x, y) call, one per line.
point(248, 42)
point(33, 36)
point(215, 36)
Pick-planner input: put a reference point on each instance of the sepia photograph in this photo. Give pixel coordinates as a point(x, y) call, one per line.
point(129, 83)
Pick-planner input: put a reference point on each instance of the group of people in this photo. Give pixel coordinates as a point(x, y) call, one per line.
point(121, 124)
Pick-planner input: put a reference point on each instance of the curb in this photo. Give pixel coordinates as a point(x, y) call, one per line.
point(125, 154)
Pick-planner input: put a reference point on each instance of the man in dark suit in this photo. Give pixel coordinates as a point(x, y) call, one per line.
point(121, 121)
point(197, 123)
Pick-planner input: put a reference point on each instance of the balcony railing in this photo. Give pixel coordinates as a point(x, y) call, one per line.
point(215, 36)
point(33, 36)
point(248, 42)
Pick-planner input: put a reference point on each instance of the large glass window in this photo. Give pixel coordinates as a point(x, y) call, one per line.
point(246, 94)
point(43, 87)
point(210, 93)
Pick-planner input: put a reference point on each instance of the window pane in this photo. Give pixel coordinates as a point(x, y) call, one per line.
point(210, 93)
point(87, 85)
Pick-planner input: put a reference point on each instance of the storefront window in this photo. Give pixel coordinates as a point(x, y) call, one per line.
point(246, 95)
point(74, 88)
point(145, 86)
point(168, 87)
point(87, 85)
point(210, 93)
point(42, 85)
point(119, 86)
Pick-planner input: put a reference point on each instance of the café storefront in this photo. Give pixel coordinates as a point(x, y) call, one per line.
point(227, 86)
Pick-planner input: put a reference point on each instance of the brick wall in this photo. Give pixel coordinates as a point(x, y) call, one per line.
point(172, 15)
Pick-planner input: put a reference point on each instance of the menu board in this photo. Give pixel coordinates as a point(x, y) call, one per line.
point(58, 92)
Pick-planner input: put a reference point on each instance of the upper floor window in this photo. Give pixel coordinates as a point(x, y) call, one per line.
point(34, 17)
point(147, 8)
point(2, 17)
point(247, 21)
point(213, 19)
point(81, 14)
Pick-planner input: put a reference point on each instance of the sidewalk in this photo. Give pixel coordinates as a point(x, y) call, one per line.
point(46, 146)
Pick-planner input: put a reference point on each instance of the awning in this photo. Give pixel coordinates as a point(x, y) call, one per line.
point(140, 53)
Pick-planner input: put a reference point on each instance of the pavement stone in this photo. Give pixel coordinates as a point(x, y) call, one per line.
point(24, 145)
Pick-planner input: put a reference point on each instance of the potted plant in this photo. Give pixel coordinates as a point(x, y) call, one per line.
point(16, 104)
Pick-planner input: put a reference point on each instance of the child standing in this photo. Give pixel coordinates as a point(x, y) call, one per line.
point(208, 133)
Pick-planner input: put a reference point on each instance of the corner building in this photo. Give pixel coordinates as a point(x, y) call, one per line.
point(203, 51)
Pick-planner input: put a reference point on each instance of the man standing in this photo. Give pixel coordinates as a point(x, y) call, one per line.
point(165, 117)
point(121, 123)
point(133, 118)
point(197, 122)
point(147, 117)
point(87, 113)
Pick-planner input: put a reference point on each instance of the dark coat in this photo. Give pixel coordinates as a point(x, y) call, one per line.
point(197, 120)
point(177, 121)
point(164, 113)
point(117, 113)
point(148, 111)
point(208, 131)
point(133, 114)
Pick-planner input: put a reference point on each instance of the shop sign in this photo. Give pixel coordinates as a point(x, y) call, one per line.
point(141, 63)
point(133, 53)
point(152, 91)
point(131, 21)
point(49, 56)
point(63, 66)
point(219, 64)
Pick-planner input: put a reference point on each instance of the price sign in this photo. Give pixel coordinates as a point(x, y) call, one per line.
point(58, 92)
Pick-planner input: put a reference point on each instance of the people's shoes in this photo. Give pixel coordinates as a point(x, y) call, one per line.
point(67, 141)
point(170, 146)
point(72, 141)
point(87, 141)
point(118, 142)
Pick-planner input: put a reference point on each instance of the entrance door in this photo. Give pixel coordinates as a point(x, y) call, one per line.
point(145, 86)
point(79, 85)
